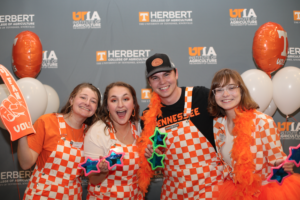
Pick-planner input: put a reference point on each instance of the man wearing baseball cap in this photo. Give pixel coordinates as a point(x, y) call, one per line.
point(192, 167)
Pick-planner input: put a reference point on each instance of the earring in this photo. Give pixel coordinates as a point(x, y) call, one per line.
point(133, 113)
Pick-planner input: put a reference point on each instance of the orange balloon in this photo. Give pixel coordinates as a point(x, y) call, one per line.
point(27, 55)
point(270, 47)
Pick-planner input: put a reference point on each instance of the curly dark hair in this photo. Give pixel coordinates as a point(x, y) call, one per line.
point(105, 113)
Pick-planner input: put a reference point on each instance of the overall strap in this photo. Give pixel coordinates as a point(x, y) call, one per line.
point(62, 125)
point(188, 101)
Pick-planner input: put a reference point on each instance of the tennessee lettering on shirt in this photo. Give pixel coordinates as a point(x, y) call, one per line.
point(176, 118)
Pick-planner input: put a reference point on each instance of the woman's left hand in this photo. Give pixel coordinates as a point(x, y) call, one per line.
point(288, 166)
point(103, 166)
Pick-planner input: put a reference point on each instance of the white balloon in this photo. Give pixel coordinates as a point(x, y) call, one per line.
point(259, 85)
point(53, 100)
point(4, 93)
point(286, 89)
point(271, 109)
point(35, 96)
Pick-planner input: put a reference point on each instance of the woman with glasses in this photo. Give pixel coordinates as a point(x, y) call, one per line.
point(247, 142)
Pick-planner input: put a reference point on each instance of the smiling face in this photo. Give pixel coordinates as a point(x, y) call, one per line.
point(165, 85)
point(230, 98)
point(84, 104)
point(120, 105)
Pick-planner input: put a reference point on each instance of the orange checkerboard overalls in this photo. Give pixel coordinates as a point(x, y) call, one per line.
point(121, 183)
point(59, 179)
point(192, 167)
point(265, 145)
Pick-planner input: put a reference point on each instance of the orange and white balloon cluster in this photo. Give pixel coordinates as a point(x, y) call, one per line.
point(270, 47)
point(27, 61)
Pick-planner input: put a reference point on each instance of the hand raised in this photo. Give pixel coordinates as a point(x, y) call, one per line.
point(13, 110)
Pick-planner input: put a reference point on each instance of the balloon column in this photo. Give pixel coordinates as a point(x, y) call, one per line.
point(286, 89)
point(53, 100)
point(270, 47)
point(35, 96)
point(27, 55)
point(259, 86)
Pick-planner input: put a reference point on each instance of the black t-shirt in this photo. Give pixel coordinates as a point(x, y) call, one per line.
point(199, 115)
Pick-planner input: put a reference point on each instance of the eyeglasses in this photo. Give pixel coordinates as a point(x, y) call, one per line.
point(231, 89)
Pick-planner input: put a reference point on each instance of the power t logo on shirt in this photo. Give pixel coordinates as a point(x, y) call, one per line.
point(176, 118)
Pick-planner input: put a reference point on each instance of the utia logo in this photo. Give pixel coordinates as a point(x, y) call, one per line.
point(202, 55)
point(242, 17)
point(289, 130)
point(165, 17)
point(16, 21)
point(49, 59)
point(122, 56)
point(86, 20)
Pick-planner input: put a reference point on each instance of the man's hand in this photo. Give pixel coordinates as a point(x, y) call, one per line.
point(149, 151)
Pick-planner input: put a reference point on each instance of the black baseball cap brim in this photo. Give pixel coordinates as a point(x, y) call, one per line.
point(160, 69)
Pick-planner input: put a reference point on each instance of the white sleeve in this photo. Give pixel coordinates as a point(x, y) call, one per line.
point(96, 141)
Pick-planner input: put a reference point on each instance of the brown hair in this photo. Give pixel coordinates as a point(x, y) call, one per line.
point(105, 113)
point(224, 76)
point(68, 107)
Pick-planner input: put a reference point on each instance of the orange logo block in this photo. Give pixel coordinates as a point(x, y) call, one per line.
point(79, 16)
point(101, 56)
point(235, 13)
point(297, 15)
point(146, 93)
point(195, 51)
point(143, 16)
point(284, 126)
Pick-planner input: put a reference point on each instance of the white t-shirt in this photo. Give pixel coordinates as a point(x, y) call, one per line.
point(97, 142)
point(226, 148)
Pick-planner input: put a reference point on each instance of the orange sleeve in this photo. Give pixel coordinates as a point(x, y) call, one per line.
point(35, 141)
point(46, 138)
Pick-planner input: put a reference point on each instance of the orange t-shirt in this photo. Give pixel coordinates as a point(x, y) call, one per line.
point(47, 136)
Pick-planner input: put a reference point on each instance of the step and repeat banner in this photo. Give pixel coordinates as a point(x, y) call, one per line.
point(103, 41)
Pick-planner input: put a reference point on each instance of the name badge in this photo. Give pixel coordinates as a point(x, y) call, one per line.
point(172, 126)
point(222, 137)
point(77, 145)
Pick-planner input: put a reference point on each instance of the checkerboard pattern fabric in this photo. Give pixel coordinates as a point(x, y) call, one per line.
point(192, 168)
point(59, 179)
point(188, 100)
point(266, 146)
point(121, 183)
